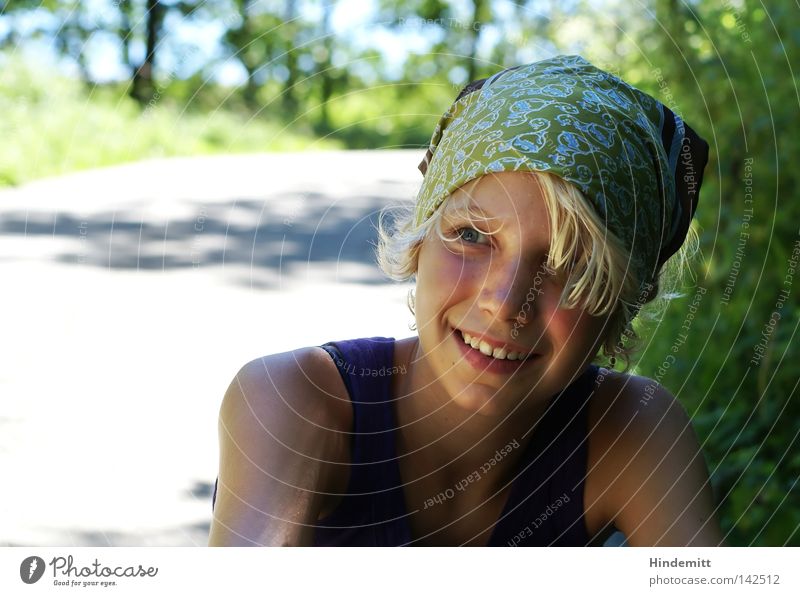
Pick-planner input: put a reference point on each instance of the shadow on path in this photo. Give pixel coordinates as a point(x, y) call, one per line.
point(269, 237)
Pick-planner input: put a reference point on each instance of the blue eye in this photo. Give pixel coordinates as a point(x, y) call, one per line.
point(469, 235)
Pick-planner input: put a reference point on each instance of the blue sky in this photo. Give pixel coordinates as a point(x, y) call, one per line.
point(353, 19)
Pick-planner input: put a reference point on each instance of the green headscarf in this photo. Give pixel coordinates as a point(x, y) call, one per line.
point(636, 161)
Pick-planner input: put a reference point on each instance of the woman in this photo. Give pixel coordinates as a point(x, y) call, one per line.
point(553, 195)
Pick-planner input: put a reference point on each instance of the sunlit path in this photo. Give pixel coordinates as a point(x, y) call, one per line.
point(133, 294)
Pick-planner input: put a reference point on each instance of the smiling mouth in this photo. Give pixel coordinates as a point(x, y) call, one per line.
point(496, 353)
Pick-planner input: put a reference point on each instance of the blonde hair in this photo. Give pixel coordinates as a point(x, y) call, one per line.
point(592, 260)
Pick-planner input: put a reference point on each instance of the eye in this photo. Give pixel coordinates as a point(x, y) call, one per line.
point(469, 235)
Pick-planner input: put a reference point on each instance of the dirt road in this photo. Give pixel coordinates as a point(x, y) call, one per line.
point(133, 294)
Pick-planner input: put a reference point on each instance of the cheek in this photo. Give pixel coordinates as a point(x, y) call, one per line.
point(568, 325)
point(577, 329)
point(444, 277)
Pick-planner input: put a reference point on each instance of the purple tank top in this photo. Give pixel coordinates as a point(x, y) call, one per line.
point(545, 503)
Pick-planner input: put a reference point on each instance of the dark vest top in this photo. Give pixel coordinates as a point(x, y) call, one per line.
point(545, 503)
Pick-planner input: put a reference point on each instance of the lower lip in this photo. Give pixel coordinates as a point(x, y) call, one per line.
point(485, 363)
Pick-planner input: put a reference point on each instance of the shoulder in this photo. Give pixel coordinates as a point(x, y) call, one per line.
point(304, 381)
point(628, 412)
point(647, 470)
point(620, 399)
point(283, 433)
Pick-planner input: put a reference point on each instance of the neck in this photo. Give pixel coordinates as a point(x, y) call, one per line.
point(449, 439)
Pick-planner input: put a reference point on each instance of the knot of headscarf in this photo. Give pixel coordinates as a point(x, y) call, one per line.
point(637, 163)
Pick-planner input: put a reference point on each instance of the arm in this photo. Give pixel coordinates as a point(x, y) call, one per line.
point(659, 492)
point(280, 428)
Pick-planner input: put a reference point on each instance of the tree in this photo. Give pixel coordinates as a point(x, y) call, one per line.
point(143, 85)
point(732, 70)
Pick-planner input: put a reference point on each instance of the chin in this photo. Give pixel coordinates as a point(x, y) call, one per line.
point(482, 403)
point(488, 400)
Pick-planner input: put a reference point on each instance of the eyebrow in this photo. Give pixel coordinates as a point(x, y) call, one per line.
point(469, 206)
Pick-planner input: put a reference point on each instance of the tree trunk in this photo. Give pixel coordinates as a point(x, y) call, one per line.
point(289, 98)
point(250, 93)
point(143, 85)
point(326, 84)
point(125, 33)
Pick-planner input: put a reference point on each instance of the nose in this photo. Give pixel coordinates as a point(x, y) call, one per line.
point(512, 289)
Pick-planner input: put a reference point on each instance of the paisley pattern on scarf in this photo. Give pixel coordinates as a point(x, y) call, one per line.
point(637, 163)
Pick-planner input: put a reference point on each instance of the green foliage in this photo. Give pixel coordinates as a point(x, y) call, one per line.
point(52, 125)
point(731, 73)
point(392, 115)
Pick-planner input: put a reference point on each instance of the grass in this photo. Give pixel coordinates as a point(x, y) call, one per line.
point(52, 125)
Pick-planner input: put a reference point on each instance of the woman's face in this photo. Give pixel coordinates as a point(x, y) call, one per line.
point(498, 289)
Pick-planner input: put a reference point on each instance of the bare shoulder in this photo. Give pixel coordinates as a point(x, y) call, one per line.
point(646, 470)
point(307, 378)
point(303, 381)
point(284, 427)
point(619, 398)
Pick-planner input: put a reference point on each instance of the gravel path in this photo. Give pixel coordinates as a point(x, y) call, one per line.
point(132, 296)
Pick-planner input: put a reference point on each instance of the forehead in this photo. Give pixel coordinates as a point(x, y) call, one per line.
point(513, 199)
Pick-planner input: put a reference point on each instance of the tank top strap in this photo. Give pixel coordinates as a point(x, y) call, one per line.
point(546, 505)
point(372, 512)
point(365, 366)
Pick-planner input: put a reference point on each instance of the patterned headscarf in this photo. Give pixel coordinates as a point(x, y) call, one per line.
point(639, 165)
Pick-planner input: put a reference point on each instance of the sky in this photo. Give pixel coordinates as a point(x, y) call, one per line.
point(354, 19)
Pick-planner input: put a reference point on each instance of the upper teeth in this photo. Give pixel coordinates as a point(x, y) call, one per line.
point(486, 349)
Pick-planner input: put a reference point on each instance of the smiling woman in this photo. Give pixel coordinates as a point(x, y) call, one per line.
point(552, 199)
point(580, 252)
point(479, 289)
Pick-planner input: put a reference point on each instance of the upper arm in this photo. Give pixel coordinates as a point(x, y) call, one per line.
point(658, 490)
point(282, 435)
